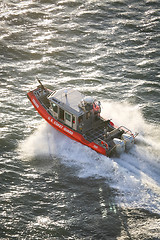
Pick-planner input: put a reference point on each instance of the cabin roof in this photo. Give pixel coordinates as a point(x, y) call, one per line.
point(68, 99)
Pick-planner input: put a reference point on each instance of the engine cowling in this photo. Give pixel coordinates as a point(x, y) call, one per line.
point(128, 140)
point(119, 145)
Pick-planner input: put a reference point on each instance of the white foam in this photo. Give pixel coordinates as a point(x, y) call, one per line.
point(124, 114)
point(134, 174)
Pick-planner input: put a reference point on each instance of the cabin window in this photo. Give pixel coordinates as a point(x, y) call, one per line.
point(55, 108)
point(68, 117)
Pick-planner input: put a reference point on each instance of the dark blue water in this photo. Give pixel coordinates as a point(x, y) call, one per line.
point(50, 186)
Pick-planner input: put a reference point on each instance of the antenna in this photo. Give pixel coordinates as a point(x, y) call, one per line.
point(40, 83)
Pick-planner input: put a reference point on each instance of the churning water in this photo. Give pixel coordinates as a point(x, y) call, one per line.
point(51, 186)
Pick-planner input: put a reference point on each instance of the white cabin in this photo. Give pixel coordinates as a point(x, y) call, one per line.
point(74, 109)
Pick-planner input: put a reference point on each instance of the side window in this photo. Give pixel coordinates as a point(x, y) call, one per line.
point(68, 117)
point(55, 108)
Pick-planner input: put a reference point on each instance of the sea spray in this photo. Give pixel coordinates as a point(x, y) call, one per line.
point(37, 144)
point(123, 114)
point(135, 174)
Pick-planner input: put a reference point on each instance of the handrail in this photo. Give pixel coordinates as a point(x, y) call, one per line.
point(126, 129)
point(102, 140)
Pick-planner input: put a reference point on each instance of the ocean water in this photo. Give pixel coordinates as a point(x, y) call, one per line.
point(50, 186)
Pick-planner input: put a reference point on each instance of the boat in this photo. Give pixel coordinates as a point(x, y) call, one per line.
point(79, 118)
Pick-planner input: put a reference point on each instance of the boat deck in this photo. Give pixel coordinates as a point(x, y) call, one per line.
point(95, 133)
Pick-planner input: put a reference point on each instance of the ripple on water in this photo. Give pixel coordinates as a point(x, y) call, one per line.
point(106, 49)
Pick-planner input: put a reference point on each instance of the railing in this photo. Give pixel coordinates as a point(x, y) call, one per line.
point(125, 129)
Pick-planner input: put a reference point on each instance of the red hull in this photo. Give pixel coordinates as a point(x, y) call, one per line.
point(62, 128)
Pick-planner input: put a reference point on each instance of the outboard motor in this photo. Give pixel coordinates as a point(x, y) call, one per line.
point(119, 145)
point(128, 140)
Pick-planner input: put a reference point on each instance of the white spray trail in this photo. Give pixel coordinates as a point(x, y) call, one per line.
point(134, 174)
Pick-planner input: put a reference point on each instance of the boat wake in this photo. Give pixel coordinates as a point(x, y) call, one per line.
point(134, 175)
